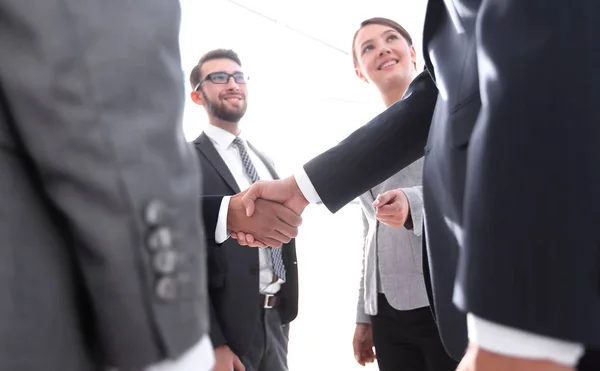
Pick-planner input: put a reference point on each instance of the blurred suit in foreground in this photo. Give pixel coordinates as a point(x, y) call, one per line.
point(102, 254)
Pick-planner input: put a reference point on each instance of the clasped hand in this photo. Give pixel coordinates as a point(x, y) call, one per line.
point(260, 222)
point(267, 213)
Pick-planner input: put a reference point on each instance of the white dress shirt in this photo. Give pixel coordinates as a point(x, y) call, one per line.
point(223, 142)
point(488, 335)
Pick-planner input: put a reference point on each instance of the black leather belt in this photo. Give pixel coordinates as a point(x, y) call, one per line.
point(269, 301)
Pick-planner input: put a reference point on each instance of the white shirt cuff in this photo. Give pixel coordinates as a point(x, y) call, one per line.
point(198, 358)
point(306, 187)
point(221, 234)
point(513, 342)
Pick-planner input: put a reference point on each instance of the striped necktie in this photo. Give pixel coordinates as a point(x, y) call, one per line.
point(276, 256)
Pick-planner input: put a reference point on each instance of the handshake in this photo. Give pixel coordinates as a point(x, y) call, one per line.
point(269, 212)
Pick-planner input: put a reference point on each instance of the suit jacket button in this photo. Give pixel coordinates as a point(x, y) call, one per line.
point(165, 261)
point(254, 270)
point(166, 289)
point(154, 213)
point(160, 239)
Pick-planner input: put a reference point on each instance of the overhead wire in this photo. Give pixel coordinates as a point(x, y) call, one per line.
point(285, 25)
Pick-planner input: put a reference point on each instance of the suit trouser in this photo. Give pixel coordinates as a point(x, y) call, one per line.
point(408, 340)
point(269, 348)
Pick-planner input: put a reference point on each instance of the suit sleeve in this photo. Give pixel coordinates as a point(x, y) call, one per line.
point(217, 338)
point(415, 201)
point(387, 144)
point(361, 315)
point(210, 211)
point(93, 93)
point(530, 257)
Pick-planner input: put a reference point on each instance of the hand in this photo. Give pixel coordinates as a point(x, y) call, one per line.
point(272, 224)
point(392, 208)
point(478, 359)
point(226, 360)
point(284, 191)
point(247, 240)
point(363, 344)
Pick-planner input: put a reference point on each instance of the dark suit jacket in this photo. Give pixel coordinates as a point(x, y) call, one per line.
point(92, 166)
point(512, 185)
point(234, 269)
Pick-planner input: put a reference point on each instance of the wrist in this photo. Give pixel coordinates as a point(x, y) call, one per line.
point(408, 219)
point(297, 191)
point(408, 223)
point(235, 202)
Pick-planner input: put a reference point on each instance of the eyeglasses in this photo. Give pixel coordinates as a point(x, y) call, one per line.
point(223, 78)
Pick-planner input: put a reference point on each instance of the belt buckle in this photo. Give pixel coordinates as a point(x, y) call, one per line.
point(266, 304)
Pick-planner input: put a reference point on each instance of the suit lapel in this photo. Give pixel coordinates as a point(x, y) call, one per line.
point(265, 161)
point(205, 146)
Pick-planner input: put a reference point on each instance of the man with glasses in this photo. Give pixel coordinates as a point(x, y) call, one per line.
point(253, 292)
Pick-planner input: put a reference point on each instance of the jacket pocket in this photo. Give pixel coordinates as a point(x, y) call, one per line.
point(463, 119)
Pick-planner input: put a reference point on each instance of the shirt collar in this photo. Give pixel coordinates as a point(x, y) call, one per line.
point(220, 137)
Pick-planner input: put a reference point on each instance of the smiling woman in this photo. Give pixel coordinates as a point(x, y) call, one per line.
point(393, 313)
point(384, 55)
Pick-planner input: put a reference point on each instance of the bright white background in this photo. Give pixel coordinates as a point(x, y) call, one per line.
point(303, 98)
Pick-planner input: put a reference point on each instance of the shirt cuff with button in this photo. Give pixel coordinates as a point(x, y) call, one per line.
point(198, 358)
point(513, 342)
point(306, 187)
point(221, 234)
